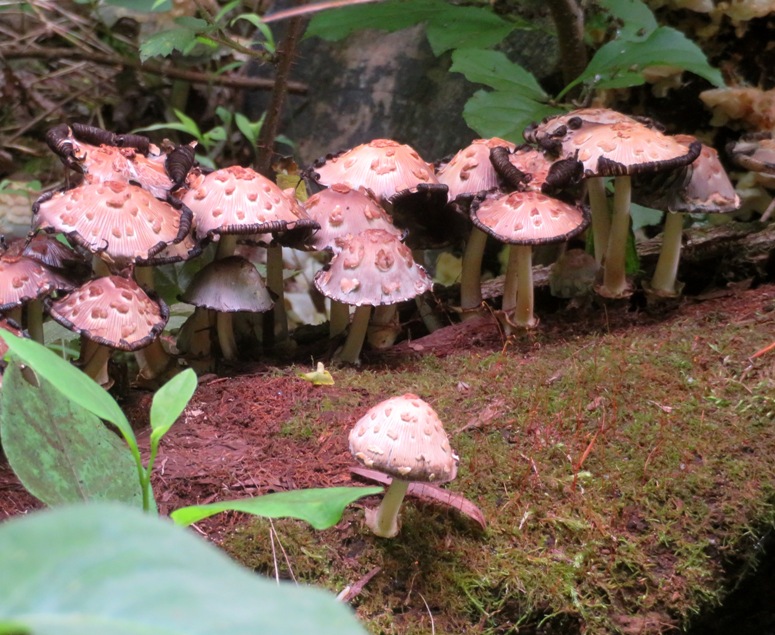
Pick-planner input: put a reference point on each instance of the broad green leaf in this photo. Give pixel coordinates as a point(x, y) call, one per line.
point(664, 47)
point(637, 20)
point(99, 568)
point(392, 15)
point(193, 24)
point(321, 508)
point(165, 42)
point(644, 216)
point(494, 69)
point(71, 382)
point(168, 280)
point(61, 452)
point(504, 114)
point(466, 27)
point(170, 401)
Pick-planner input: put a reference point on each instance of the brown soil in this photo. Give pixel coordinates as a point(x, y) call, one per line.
point(230, 441)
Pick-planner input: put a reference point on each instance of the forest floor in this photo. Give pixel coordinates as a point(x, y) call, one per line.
point(621, 460)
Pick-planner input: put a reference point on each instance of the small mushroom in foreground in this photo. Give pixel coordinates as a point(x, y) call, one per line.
point(403, 437)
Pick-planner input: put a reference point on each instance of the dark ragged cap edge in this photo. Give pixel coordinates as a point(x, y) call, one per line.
point(310, 173)
point(478, 200)
point(275, 227)
point(607, 167)
point(179, 163)
point(121, 345)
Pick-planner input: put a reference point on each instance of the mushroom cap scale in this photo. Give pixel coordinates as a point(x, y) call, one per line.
point(528, 218)
point(404, 437)
point(373, 268)
point(341, 210)
point(237, 200)
point(122, 220)
point(469, 171)
point(113, 311)
point(384, 166)
point(229, 285)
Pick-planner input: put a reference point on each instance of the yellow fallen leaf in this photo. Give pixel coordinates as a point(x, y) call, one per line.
point(319, 377)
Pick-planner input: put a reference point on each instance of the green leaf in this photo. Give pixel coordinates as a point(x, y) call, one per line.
point(250, 129)
point(165, 42)
point(170, 401)
point(61, 452)
point(392, 15)
point(644, 216)
point(466, 27)
point(142, 6)
point(71, 382)
point(637, 20)
point(321, 508)
point(193, 24)
point(226, 9)
point(504, 114)
point(100, 568)
point(494, 69)
point(626, 59)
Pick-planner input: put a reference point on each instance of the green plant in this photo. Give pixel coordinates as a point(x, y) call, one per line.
point(56, 444)
point(516, 97)
point(98, 568)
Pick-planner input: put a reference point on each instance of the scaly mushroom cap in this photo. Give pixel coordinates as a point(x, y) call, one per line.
point(470, 171)
point(341, 210)
point(754, 152)
point(237, 200)
point(708, 188)
point(404, 437)
point(108, 163)
point(609, 143)
point(23, 278)
point(112, 311)
point(229, 285)
point(122, 221)
point(372, 268)
point(384, 166)
point(528, 218)
point(51, 252)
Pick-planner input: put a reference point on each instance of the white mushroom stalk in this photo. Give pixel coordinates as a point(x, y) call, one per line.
point(404, 438)
point(664, 280)
point(615, 283)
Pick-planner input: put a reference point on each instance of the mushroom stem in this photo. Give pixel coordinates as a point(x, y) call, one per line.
point(153, 360)
point(224, 327)
point(384, 326)
point(339, 318)
point(227, 245)
point(351, 350)
point(34, 311)
point(424, 307)
point(663, 281)
point(601, 219)
point(94, 361)
point(510, 286)
point(614, 270)
point(194, 340)
point(383, 521)
point(471, 275)
point(275, 282)
point(523, 313)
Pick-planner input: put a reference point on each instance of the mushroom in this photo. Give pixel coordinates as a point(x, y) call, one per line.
point(403, 437)
point(228, 285)
point(525, 219)
point(609, 143)
point(119, 222)
point(373, 268)
point(756, 152)
point(705, 188)
point(110, 313)
point(238, 201)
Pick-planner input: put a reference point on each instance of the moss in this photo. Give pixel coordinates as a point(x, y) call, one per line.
point(624, 476)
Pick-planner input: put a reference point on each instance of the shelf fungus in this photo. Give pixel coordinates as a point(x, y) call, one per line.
point(404, 438)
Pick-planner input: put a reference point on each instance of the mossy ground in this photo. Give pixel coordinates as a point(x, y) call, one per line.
point(626, 477)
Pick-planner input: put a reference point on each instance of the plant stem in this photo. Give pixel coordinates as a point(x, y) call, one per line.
point(614, 270)
point(663, 281)
point(351, 350)
point(601, 219)
point(384, 520)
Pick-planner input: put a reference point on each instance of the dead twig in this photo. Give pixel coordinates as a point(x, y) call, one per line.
point(350, 592)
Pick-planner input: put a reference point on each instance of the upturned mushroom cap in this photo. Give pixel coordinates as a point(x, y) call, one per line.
point(113, 311)
point(384, 166)
point(23, 278)
point(470, 171)
point(404, 437)
point(229, 285)
point(237, 200)
point(51, 252)
point(754, 152)
point(528, 218)
point(342, 210)
point(108, 163)
point(372, 268)
point(122, 221)
point(609, 143)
